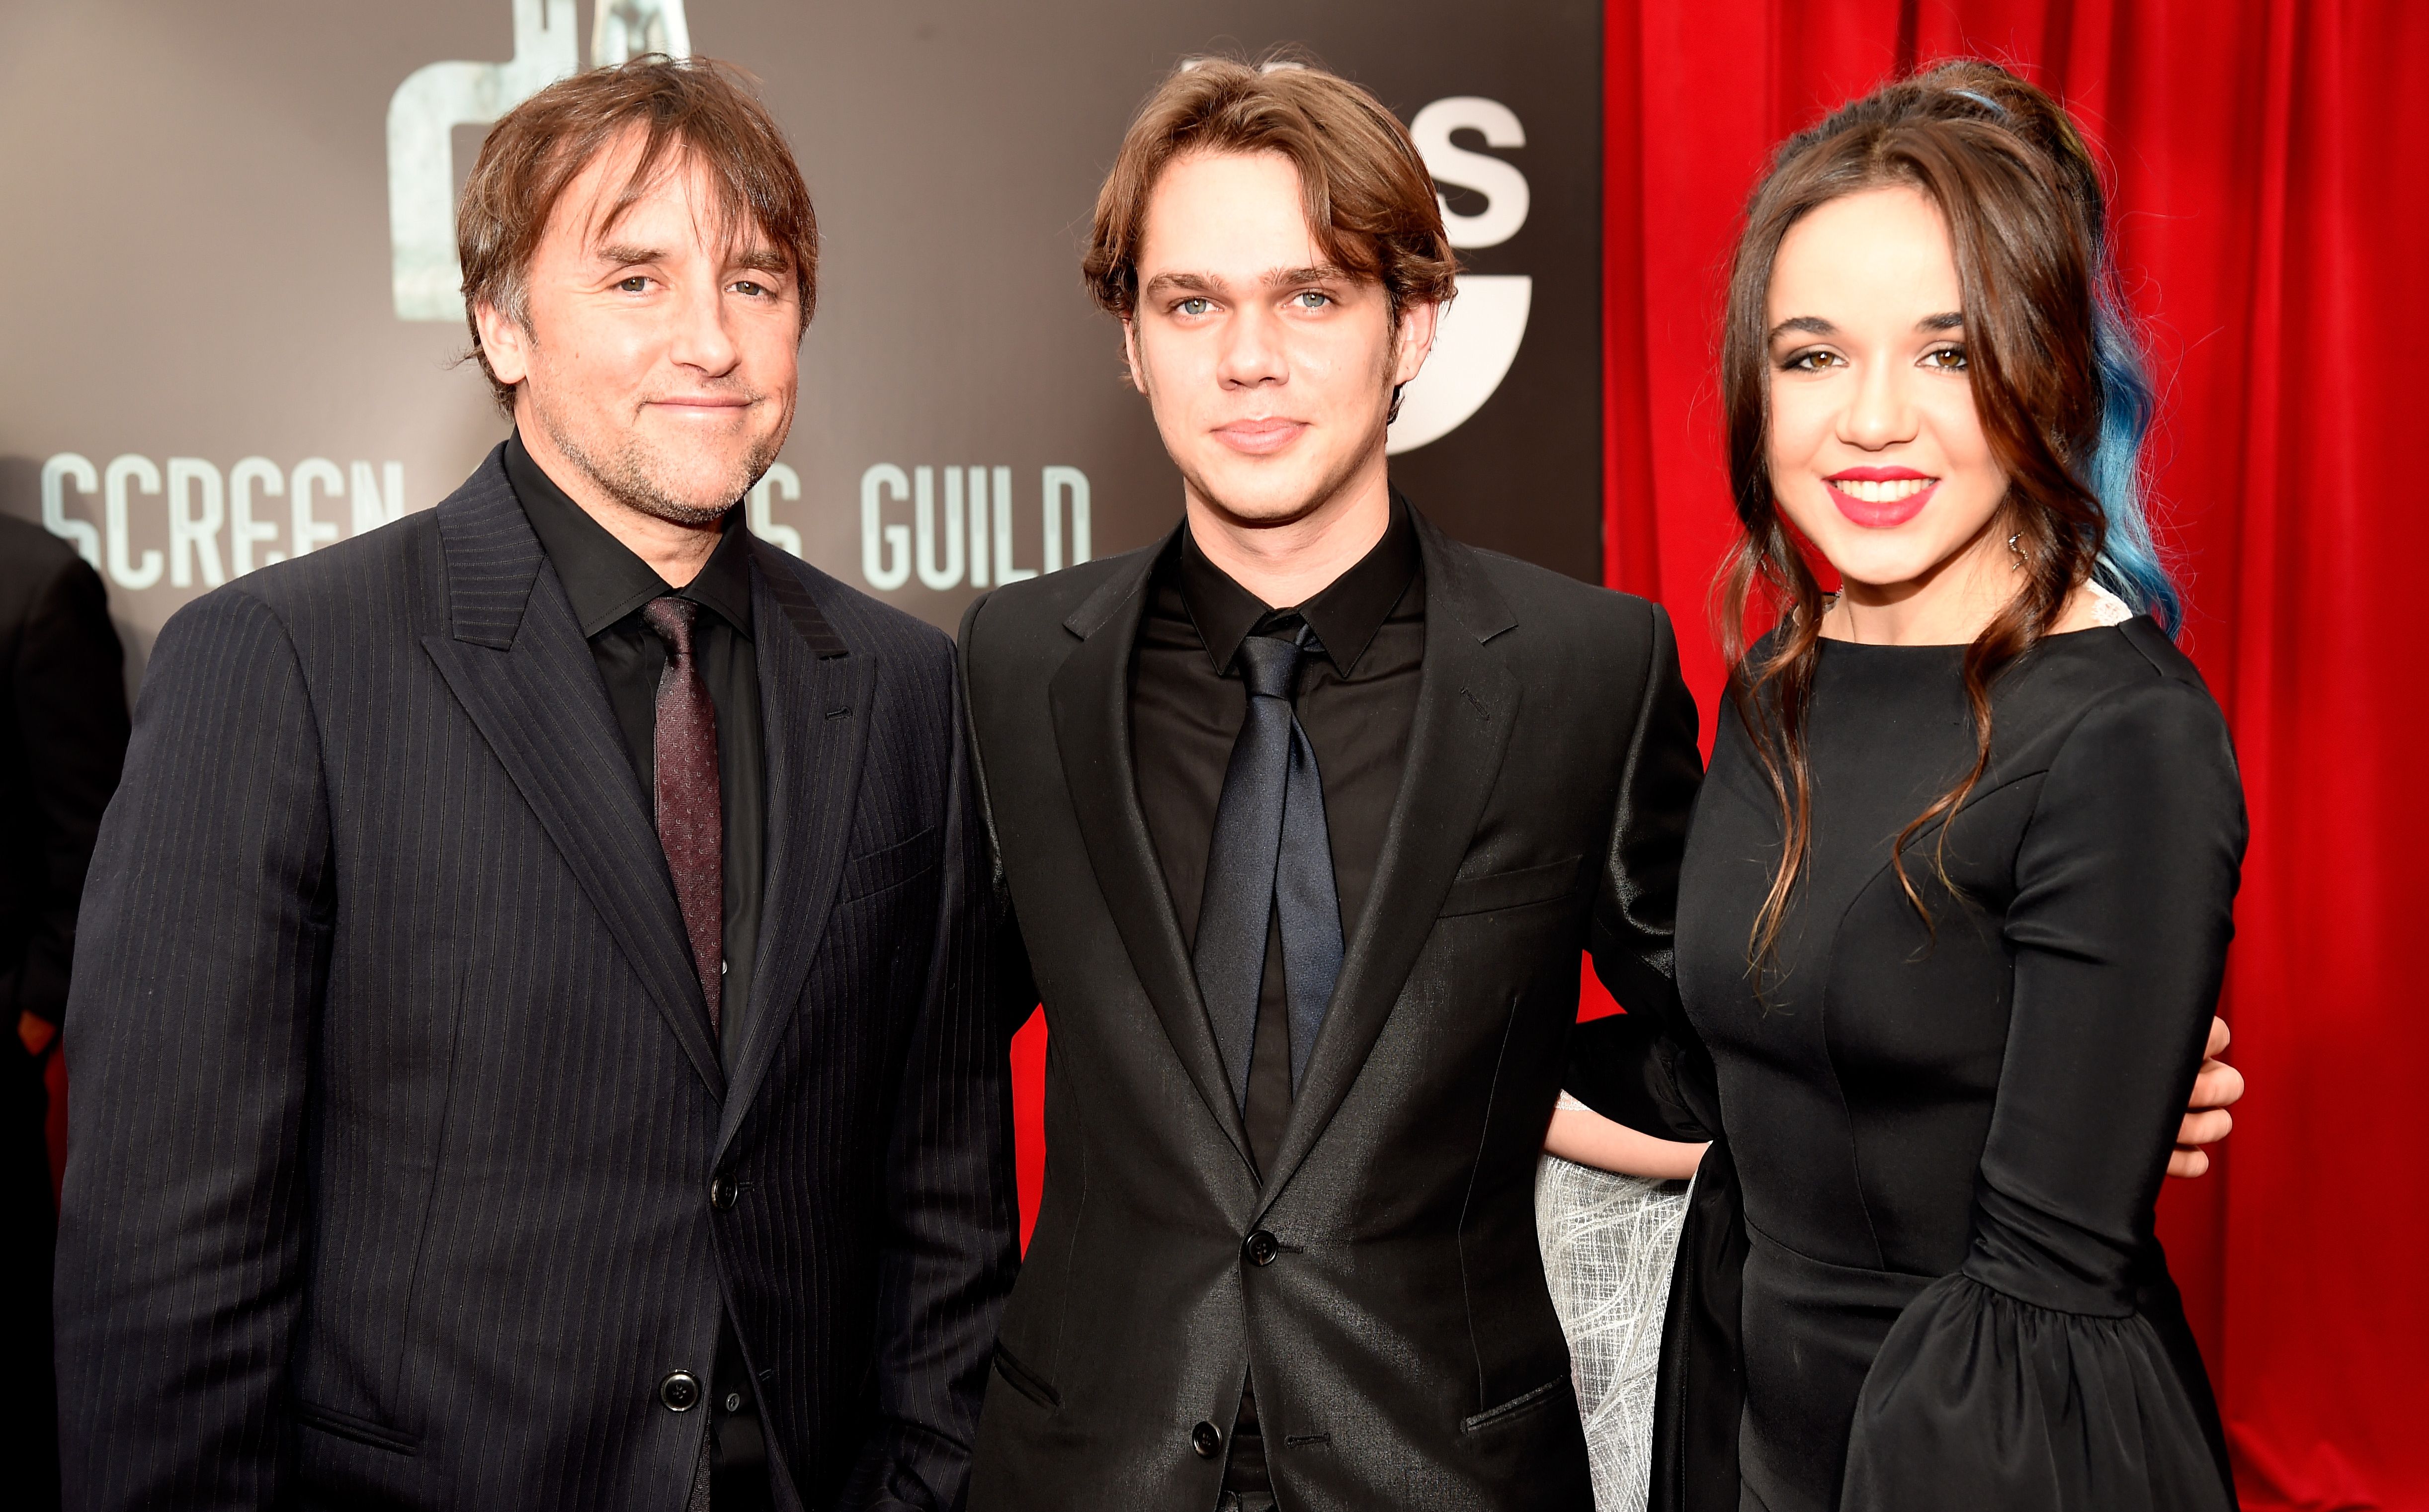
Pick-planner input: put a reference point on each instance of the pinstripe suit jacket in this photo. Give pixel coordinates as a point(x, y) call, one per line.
point(397, 1109)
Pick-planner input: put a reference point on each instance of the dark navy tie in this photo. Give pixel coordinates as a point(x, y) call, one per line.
point(1270, 858)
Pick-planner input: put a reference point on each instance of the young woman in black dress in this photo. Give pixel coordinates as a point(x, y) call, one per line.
point(1955, 905)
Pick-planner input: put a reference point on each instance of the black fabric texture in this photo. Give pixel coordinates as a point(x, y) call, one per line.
point(1395, 1314)
point(1355, 702)
point(1949, 1131)
point(1353, 705)
point(607, 584)
point(405, 1170)
point(1269, 868)
point(62, 739)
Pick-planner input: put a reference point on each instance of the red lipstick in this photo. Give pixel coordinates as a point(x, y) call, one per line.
point(1880, 498)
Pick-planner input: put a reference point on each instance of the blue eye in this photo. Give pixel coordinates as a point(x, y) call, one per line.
point(1314, 299)
point(1195, 306)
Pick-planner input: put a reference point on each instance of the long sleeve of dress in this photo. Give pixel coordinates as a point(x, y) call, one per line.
point(2028, 1379)
point(1623, 1068)
point(1647, 1069)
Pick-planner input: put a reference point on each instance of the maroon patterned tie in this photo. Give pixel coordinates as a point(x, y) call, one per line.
point(691, 805)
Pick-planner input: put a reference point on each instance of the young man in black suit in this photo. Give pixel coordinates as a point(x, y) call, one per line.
point(1304, 889)
point(532, 1026)
point(1287, 1246)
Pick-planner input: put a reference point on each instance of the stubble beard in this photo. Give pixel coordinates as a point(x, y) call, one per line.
point(630, 475)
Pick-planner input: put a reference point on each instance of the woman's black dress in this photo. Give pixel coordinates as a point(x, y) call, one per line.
point(1949, 1135)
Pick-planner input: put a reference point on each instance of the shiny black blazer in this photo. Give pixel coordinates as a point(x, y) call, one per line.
point(397, 1117)
point(1405, 1348)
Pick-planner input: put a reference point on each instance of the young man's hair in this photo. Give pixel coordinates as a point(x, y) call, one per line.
point(1370, 201)
point(688, 111)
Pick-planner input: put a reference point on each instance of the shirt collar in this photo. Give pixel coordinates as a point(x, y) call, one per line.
point(603, 579)
point(1345, 615)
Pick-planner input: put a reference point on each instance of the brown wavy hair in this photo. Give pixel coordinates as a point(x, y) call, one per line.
point(692, 108)
point(2020, 197)
point(1370, 201)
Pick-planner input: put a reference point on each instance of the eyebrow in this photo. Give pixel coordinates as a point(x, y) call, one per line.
point(1323, 272)
point(1163, 284)
point(1947, 319)
point(758, 259)
point(625, 255)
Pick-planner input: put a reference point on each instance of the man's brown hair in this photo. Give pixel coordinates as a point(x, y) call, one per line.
point(1370, 201)
point(688, 109)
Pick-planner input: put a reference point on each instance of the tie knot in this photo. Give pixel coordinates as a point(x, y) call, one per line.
point(1270, 666)
point(672, 618)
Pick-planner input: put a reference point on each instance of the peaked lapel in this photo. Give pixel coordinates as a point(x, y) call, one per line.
point(814, 697)
point(515, 659)
point(1090, 696)
point(1466, 704)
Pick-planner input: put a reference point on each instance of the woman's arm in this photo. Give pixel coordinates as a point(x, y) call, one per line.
point(1581, 1135)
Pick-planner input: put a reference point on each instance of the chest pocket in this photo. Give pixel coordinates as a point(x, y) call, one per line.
point(890, 866)
point(1513, 890)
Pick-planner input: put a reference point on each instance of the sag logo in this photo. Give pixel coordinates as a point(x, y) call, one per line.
point(1480, 334)
point(436, 98)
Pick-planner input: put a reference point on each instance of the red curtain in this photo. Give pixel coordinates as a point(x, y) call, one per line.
point(2271, 161)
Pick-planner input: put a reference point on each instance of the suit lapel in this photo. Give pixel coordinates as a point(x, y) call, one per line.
point(516, 661)
point(1466, 705)
point(1091, 700)
point(814, 705)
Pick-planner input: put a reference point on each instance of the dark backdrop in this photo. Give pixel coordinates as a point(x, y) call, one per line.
point(205, 271)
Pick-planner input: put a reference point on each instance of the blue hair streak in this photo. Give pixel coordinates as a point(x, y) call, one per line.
point(2130, 564)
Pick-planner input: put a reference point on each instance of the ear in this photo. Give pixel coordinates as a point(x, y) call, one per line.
point(503, 341)
point(1133, 369)
point(1414, 340)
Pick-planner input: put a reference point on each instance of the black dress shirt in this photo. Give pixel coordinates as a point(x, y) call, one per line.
point(607, 585)
point(1357, 702)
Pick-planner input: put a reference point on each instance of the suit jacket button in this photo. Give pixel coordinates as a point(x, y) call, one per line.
point(723, 1193)
point(1207, 1439)
point(1263, 1247)
point(679, 1392)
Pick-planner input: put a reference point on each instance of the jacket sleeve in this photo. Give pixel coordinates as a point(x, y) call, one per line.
point(1647, 1069)
point(69, 695)
point(1628, 1066)
point(2030, 1378)
point(199, 972)
point(952, 1248)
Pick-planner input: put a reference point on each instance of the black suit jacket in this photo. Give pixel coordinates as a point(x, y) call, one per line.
point(1405, 1348)
point(396, 1109)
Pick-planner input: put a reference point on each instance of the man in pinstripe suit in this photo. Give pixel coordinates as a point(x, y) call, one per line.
point(532, 1032)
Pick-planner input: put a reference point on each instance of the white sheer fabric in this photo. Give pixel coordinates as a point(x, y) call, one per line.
point(1608, 1241)
point(2107, 607)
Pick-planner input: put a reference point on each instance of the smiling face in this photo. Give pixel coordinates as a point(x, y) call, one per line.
point(1876, 451)
point(1270, 370)
point(656, 362)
